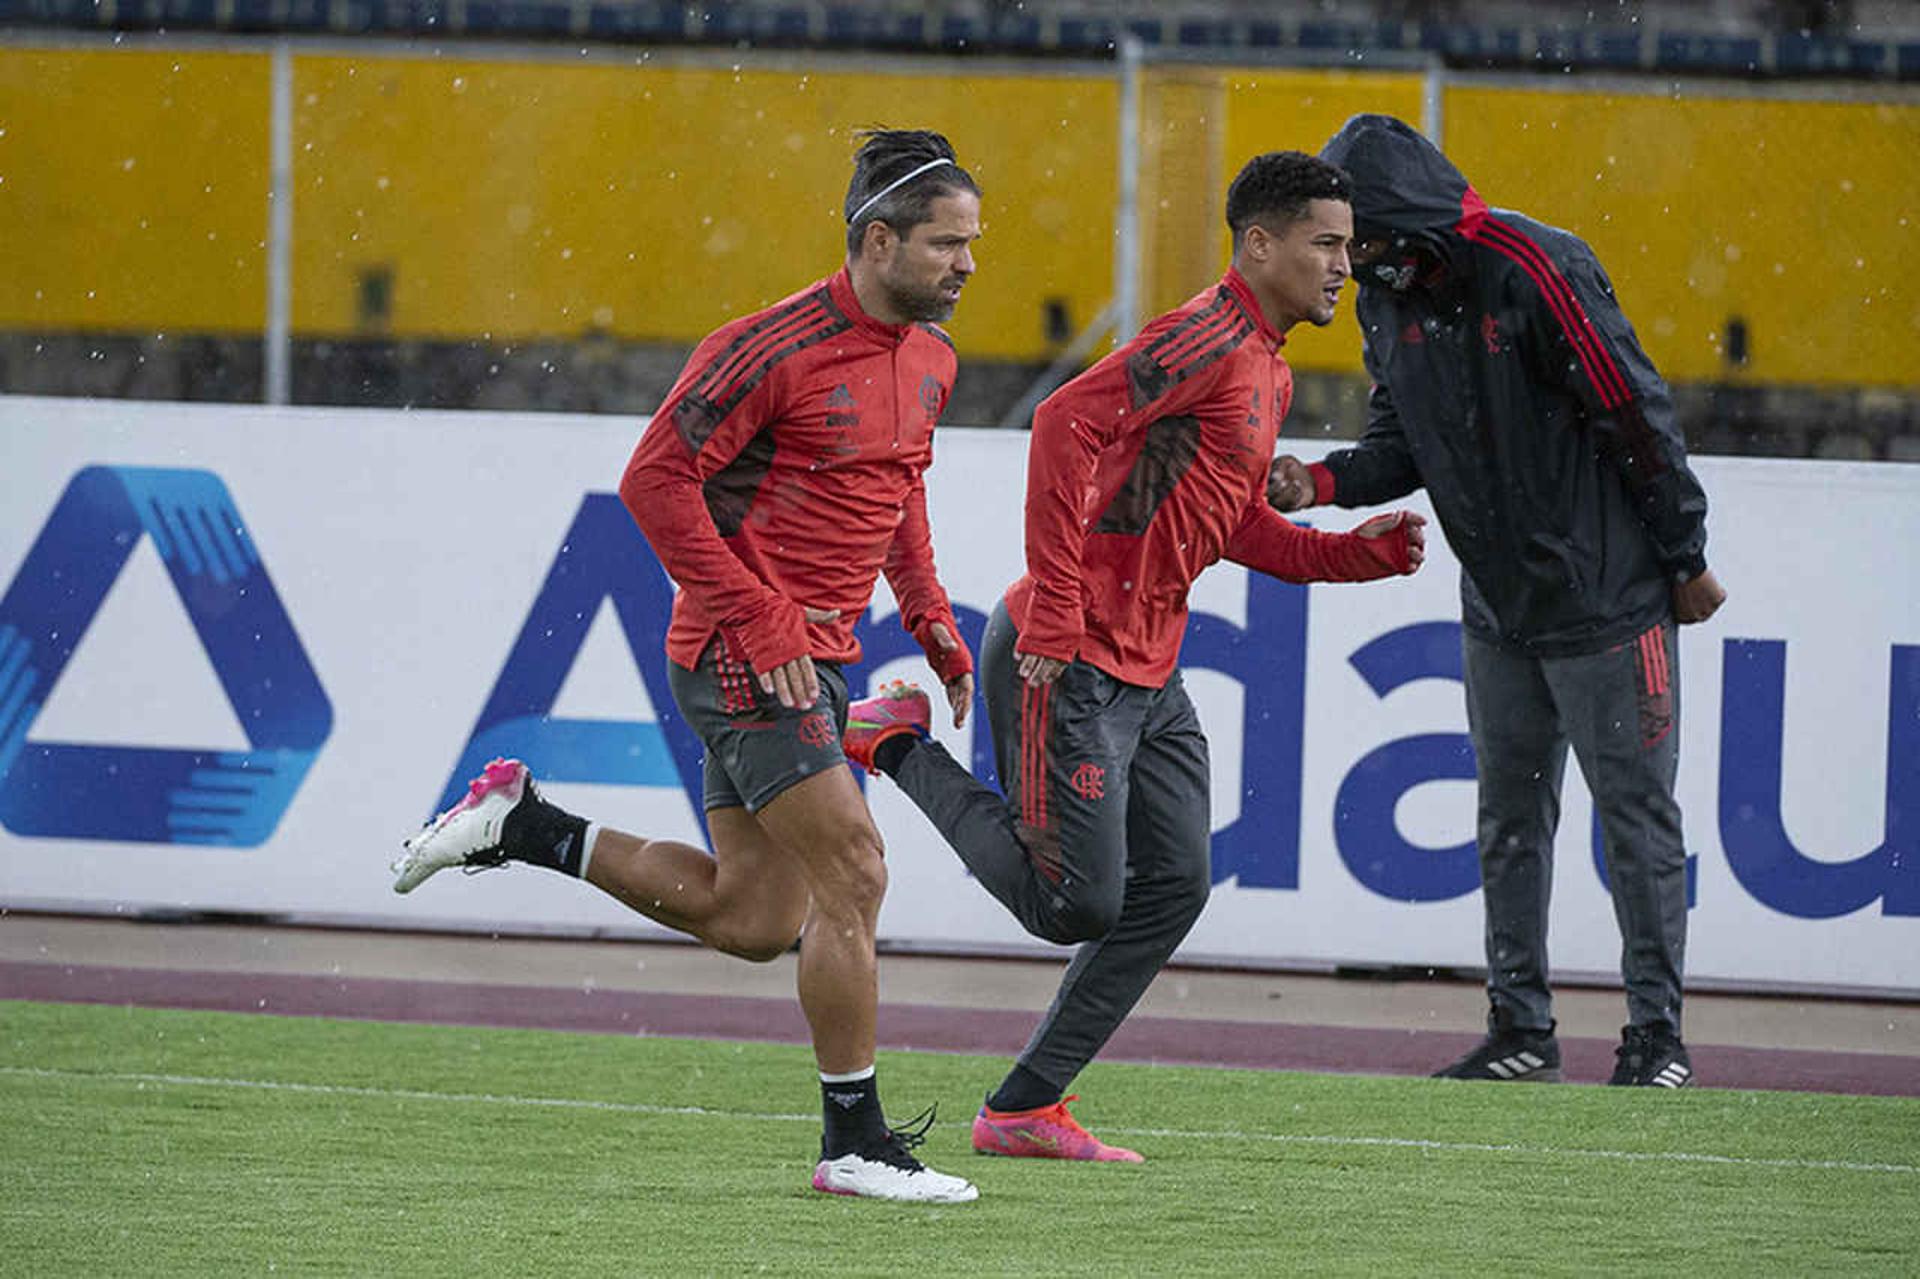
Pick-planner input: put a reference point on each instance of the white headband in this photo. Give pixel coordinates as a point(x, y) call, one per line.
point(888, 189)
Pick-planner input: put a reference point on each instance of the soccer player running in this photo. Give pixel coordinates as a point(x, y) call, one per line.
point(1509, 385)
point(1142, 471)
point(779, 478)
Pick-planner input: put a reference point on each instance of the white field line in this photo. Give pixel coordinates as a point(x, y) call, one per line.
point(1193, 1134)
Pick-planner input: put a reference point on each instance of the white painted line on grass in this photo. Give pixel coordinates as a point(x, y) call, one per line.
point(1185, 1134)
point(399, 1094)
point(1474, 1147)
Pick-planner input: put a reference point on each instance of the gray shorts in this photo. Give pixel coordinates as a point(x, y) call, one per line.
point(757, 748)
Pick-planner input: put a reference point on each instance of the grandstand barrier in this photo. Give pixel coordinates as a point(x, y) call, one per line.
point(1636, 46)
point(245, 651)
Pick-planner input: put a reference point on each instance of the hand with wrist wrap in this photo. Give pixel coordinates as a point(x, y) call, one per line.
point(1394, 544)
point(939, 638)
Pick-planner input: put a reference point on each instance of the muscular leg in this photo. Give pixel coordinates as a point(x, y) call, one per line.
point(823, 822)
point(811, 857)
point(749, 898)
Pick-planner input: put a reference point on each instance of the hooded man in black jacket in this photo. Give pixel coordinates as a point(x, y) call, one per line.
point(1509, 385)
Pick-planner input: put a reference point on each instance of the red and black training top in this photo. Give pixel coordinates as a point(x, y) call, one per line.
point(1152, 465)
point(784, 470)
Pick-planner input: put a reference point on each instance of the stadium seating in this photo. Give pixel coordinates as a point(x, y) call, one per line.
point(1557, 38)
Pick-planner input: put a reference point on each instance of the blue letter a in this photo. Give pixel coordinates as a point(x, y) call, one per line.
point(604, 557)
point(1373, 848)
point(1268, 657)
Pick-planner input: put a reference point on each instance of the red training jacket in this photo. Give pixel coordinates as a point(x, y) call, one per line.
point(784, 470)
point(1152, 465)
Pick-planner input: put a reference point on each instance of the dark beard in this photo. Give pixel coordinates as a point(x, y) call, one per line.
point(918, 305)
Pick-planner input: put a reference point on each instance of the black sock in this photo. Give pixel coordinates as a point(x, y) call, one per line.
point(853, 1118)
point(888, 755)
point(1023, 1090)
point(543, 834)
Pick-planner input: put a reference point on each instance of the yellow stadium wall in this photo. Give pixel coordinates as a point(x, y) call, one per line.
point(519, 198)
point(133, 191)
point(527, 199)
point(1801, 217)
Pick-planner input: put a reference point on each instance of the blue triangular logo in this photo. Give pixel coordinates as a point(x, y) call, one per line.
point(138, 793)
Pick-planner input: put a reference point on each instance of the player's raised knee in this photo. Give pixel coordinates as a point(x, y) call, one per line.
point(1080, 918)
point(758, 945)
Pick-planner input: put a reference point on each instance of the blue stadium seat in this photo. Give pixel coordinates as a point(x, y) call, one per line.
point(1395, 35)
point(1265, 35)
point(1016, 31)
point(961, 31)
point(305, 15)
point(1488, 44)
point(637, 20)
point(1079, 28)
point(1617, 48)
point(1611, 48)
point(1800, 54)
point(1332, 35)
point(1682, 52)
point(866, 25)
point(65, 13)
point(1206, 34)
point(518, 17)
point(1087, 35)
point(734, 23)
point(412, 17)
point(165, 13)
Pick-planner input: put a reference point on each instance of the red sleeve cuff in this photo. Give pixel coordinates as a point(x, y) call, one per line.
point(1322, 483)
point(948, 663)
point(775, 638)
point(1051, 631)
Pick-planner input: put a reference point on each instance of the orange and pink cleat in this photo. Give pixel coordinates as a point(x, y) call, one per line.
point(1047, 1132)
point(897, 708)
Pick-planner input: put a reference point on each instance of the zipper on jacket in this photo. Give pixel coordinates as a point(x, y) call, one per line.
point(893, 384)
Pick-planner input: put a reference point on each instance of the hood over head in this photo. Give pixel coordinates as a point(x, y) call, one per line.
point(1404, 192)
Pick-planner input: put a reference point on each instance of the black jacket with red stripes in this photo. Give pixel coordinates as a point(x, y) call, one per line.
point(1510, 386)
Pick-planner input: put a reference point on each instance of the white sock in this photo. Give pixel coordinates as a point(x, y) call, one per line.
point(850, 1077)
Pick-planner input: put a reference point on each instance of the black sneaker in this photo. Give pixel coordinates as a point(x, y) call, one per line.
point(1651, 1057)
point(1511, 1055)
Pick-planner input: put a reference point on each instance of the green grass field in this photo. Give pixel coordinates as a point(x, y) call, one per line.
point(144, 1142)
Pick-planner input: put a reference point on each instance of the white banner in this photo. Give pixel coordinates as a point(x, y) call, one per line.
point(244, 651)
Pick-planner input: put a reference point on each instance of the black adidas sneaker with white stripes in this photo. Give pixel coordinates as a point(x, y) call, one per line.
point(1512, 1056)
point(1651, 1057)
